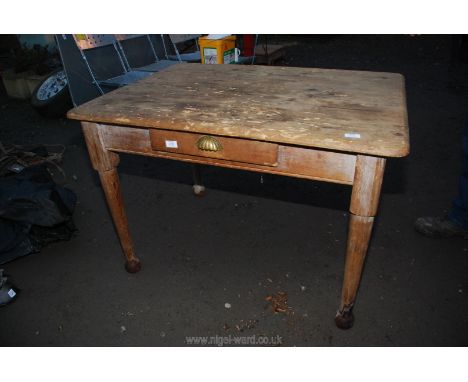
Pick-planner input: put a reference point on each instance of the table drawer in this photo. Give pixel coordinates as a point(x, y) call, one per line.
point(212, 146)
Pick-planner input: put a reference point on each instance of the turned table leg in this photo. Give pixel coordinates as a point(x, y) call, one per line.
point(364, 202)
point(105, 163)
point(198, 187)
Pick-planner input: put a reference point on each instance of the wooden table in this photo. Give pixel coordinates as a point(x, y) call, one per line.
point(329, 125)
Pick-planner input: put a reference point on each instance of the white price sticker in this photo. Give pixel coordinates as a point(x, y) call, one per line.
point(171, 144)
point(11, 293)
point(352, 135)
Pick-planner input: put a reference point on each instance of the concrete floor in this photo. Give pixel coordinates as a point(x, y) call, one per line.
point(247, 239)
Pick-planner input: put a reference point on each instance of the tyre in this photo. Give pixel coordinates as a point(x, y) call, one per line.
point(51, 97)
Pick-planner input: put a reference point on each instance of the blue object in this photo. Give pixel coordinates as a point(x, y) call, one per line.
point(459, 212)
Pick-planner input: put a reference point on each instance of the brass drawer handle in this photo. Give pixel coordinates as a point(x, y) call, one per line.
point(209, 143)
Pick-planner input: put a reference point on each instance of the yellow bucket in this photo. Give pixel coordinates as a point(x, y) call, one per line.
point(220, 51)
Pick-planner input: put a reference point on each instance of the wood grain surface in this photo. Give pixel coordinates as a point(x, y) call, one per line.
point(294, 161)
point(353, 111)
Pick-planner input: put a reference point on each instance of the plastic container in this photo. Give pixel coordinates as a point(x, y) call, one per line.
point(221, 51)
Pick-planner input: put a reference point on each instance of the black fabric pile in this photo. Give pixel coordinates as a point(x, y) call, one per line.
point(34, 211)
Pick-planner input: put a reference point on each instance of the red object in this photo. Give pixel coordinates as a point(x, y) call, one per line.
point(249, 47)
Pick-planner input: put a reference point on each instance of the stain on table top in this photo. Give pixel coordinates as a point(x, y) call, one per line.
point(353, 111)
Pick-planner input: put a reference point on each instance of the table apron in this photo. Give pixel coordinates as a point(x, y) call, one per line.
point(294, 161)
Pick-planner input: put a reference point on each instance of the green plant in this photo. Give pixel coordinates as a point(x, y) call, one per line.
point(34, 58)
